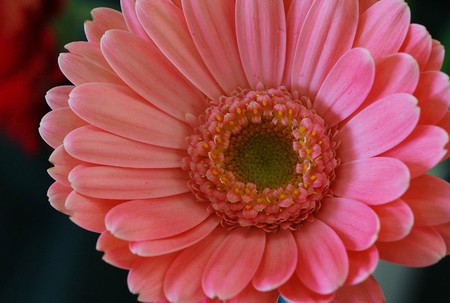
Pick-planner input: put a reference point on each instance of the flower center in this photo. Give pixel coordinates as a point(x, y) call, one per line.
point(261, 158)
point(262, 154)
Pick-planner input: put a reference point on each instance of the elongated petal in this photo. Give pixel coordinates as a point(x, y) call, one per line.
point(251, 295)
point(278, 263)
point(94, 145)
point(183, 281)
point(346, 86)
point(156, 247)
point(366, 292)
point(327, 33)
point(422, 150)
point(382, 28)
point(151, 75)
point(433, 93)
point(63, 164)
point(396, 220)
point(296, 292)
point(261, 36)
point(141, 220)
point(57, 194)
point(234, 263)
point(165, 24)
point(116, 251)
point(378, 128)
point(444, 231)
point(107, 182)
point(396, 73)
point(418, 44)
point(436, 57)
point(58, 96)
point(423, 246)
point(361, 264)
point(428, 197)
point(128, 8)
point(89, 213)
point(103, 20)
point(355, 223)
point(79, 70)
point(146, 277)
point(55, 125)
point(295, 18)
point(322, 259)
point(212, 27)
point(117, 109)
point(373, 181)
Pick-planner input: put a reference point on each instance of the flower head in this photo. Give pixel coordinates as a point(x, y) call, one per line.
point(242, 150)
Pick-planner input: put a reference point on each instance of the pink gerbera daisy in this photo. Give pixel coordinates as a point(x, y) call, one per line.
point(242, 150)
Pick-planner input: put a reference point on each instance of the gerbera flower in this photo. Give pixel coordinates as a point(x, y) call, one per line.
point(242, 150)
point(27, 67)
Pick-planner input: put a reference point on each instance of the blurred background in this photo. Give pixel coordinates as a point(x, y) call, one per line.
point(44, 257)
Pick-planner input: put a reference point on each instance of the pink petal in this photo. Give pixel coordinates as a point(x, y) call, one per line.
point(151, 75)
point(295, 291)
point(116, 251)
point(150, 219)
point(146, 277)
point(444, 231)
point(90, 52)
point(128, 8)
point(373, 181)
point(365, 4)
point(436, 57)
point(346, 86)
point(445, 124)
point(58, 96)
point(418, 44)
point(183, 281)
point(94, 145)
point(361, 265)
point(234, 263)
point(103, 20)
point(422, 247)
point(428, 197)
point(212, 27)
point(396, 220)
point(378, 127)
point(107, 182)
point(322, 259)
point(156, 247)
point(89, 213)
point(56, 124)
point(79, 70)
point(383, 27)
point(119, 110)
point(280, 246)
point(295, 18)
point(366, 292)
point(422, 150)
point(261, 37)
point(57, 194)
point(354, 222)
point(251, 295)
point(396, 73)
point(63, 164)
point(327, 34)
point(165, 24)
point(433, 93)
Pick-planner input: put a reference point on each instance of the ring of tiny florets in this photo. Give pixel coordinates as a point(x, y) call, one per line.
point(240, 202)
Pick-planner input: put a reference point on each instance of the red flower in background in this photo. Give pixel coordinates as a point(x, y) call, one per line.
point(27, 66)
